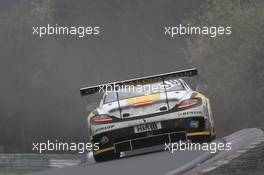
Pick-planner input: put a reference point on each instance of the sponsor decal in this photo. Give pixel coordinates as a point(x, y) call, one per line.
point(199, 95)
point(104, 128)
point(143, 99)
point(190, 113)
point(194, 124)
point(104, 140)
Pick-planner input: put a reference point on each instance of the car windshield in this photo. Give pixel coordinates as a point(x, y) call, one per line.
point(130, 91)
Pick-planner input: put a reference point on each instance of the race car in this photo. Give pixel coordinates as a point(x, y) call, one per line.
point(146, 112)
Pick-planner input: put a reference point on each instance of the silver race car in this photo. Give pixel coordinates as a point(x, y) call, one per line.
point(147, 112)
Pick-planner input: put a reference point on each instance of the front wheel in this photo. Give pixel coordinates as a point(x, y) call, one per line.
point(110, 155)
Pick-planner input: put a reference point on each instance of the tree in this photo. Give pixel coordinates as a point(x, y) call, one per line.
point(232, 64)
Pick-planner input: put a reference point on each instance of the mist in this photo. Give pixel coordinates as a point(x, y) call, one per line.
point(41, 77)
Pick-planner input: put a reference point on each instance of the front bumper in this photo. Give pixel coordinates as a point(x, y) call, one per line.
point(125, 139)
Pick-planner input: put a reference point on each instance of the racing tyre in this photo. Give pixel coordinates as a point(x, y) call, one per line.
point(106, 156)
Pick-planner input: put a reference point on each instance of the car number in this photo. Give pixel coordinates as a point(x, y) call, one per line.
point(147, 127)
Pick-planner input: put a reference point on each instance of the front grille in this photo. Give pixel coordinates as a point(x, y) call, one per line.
point(149, 141)
point(148, 133)
point(168, 127)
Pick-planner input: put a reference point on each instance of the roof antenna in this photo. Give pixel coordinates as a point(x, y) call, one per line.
point(165, 93)
point(117, 96)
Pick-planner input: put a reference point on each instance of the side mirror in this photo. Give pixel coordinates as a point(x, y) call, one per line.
point(201, 88)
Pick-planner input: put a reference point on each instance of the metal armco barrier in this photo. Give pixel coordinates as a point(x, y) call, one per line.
point(40, 160)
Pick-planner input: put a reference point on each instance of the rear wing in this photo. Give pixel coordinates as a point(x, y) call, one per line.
point(177, 74)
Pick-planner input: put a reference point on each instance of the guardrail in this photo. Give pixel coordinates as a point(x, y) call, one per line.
point(40, 160)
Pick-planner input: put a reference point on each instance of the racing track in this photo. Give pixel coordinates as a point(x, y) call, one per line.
point(164, 162)
point(153, 163)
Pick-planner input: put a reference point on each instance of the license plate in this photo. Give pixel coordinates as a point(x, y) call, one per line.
point(147, 127)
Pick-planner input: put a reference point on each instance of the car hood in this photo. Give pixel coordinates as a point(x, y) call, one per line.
point(144, 105)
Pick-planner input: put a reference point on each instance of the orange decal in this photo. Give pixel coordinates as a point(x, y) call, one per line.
point(143, 100)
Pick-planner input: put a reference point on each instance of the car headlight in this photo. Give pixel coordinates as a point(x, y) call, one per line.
point(188, 103)
point(100, 119)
